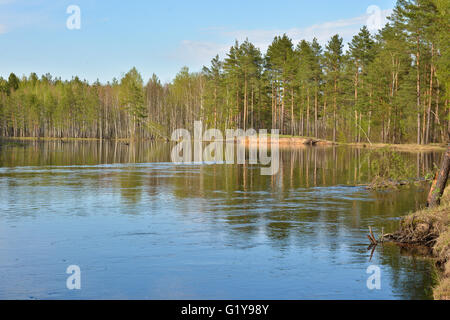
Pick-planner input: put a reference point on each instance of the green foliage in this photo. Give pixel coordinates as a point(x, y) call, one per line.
point(386, 164)
point(131, 94)
point(391, 87)
point(13, 82)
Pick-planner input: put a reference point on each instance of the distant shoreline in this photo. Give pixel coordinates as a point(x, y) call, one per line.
point(411, 147)
point(284, 141)
point(305, 141)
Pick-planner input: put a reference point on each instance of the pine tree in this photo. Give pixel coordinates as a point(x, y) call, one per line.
point(132, 99)
point(213, 92)
point(333, 65)
point(361, 52)
point(279, 57)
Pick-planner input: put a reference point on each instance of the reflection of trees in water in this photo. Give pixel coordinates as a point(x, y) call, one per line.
point(308, 162)
point(130, 185)
point(239, 185)
point(61, 152)
point(410, 274)
point(241, 188)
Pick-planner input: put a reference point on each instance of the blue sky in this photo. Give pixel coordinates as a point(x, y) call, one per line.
point(159, 36)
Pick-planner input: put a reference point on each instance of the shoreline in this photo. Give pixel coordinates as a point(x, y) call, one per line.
point(410, 147)
point(284, 141)
point(429, 228)
point(68, 139)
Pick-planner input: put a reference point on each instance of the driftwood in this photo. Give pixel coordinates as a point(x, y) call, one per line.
point(373, 241)
point(372, 237)
point(311, 142)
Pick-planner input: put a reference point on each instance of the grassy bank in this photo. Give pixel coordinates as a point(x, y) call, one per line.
point(409, 147)
point(430, 227)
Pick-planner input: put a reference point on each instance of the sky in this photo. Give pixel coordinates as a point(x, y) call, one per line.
point(162, 36)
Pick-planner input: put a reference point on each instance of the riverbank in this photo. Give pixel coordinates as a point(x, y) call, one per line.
point(297, 141)
point(410, 147)
point(283, 141)
point(430, 227)
point(289, 141)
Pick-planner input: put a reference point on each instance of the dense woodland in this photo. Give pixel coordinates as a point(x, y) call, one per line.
point(389, 87)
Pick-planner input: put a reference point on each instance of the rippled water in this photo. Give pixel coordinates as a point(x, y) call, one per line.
point(141, 227)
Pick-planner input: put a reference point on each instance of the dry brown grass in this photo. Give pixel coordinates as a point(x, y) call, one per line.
point(442, 290)
point(442, 251)
point(426, 226)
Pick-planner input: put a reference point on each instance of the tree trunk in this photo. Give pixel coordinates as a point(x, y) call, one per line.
point(282, 107)
point(334, 110)
point(356, 102)
point(430, 97)
point(245, 101)
point(325, 116)
point(292, 111)
point(418, 88)
point(307, 114)
point(437, 189)
point(315, 113)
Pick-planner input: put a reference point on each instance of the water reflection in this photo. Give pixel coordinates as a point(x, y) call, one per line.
point(213, 228)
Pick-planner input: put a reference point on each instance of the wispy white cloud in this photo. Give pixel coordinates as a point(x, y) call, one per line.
point(201, 52)
point(2, 29)
point(346, 28)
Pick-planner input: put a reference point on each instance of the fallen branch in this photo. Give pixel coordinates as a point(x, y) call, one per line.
point(372, 237)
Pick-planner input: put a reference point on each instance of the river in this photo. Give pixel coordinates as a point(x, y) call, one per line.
point(140, 227)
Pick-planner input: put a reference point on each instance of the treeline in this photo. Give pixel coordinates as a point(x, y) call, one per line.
point(390, 87)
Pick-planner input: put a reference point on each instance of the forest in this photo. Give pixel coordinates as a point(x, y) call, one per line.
point(390, 87)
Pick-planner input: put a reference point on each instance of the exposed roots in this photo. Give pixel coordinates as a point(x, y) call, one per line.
point(416, 231)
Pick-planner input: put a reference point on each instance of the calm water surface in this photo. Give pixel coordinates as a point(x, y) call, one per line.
point(141, 227)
